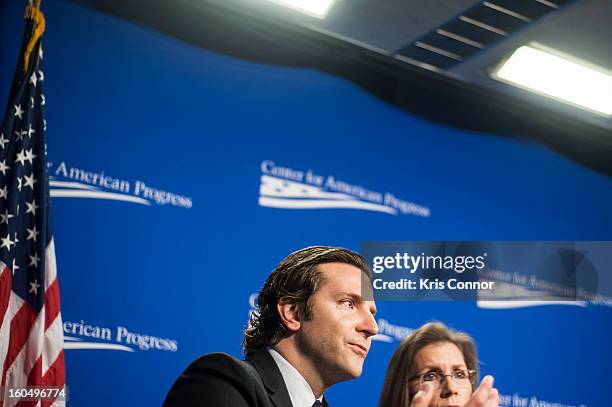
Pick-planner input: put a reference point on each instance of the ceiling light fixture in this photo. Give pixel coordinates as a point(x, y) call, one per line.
point(317, 8)
point(549, 72)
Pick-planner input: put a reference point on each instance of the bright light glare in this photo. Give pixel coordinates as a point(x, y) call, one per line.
point(318, 8)
point(560, 78)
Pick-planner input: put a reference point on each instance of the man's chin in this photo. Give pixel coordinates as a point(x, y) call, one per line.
point(350, 368)
point(355, 371)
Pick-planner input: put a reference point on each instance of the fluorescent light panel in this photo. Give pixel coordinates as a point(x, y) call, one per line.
point(559, 77)
point(317, 8)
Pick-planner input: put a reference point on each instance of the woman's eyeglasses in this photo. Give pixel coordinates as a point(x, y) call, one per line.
point(460, 377)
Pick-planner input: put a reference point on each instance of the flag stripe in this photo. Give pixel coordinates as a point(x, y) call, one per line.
point(55, 371)
point(50, 264)
point(15, 304)
point(22, 323)
point(24, 360)
point(5, 292)
point(27, 404)
point(34, 379)
point(52, 304)
point(34, 347)
point(35, 376)
point(53, 345)
point(55, 374)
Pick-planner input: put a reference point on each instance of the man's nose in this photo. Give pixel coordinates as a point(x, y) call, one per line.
point(368, 324)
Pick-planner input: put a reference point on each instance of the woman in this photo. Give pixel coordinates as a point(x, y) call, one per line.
point(442, 357)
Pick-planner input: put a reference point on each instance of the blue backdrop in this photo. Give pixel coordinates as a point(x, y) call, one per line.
point(172, 167)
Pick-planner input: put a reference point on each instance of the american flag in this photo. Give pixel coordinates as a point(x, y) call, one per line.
point(31, 337)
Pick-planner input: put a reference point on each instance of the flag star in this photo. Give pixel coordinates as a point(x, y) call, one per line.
point(4, 193)
point(16, 239)
point(30, 131)
point(33, 79)
point(7, 242)
point(42, 100)
point(30, 156)
point(41, 75)
point(18, 135)
point(3, 141)
point(15, 267)
point(3, 167)
point(34, 260)
point(21, 158)
point(30, 181)
point(44, 120)
point(32, 102)
point(31, 207)
point(19, 183)
point(18, 111)
point(32, 233)
point(34, 286)
point(4, 217)
point(40, 53)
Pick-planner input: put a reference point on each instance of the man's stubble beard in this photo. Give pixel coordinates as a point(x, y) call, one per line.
point(325, 357)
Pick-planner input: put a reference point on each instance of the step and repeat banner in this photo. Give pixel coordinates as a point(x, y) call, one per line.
point(181, 177)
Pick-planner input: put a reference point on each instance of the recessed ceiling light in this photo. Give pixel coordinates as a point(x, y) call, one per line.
point(317, 8)
point(549, 72)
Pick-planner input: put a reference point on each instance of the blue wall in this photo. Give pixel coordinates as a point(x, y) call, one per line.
point(179, 261)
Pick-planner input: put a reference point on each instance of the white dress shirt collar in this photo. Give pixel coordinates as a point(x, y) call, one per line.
point(299, 390)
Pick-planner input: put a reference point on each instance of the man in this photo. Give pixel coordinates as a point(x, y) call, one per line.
point(312, 329)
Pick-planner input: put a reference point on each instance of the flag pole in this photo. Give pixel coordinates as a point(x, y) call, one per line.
point(33, 12)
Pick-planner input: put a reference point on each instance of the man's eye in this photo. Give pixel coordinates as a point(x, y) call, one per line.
point(460, 374)
point(349, 303)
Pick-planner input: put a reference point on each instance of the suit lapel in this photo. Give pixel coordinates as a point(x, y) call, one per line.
point(271, 377)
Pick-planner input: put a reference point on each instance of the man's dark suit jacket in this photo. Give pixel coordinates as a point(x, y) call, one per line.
point(221, 380)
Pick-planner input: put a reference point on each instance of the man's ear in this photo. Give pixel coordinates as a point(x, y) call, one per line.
point(290, 315)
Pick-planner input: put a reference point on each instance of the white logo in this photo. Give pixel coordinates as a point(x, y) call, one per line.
point(72, 182)
point(80, 335)
point(515, 400)
point(501, 304)
point(283, 187)
point(518, 291)
point(388, 332)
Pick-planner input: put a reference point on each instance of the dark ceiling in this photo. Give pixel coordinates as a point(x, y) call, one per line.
point(431, 57)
